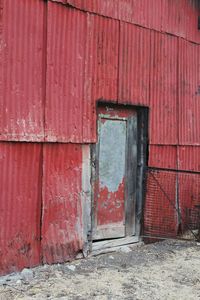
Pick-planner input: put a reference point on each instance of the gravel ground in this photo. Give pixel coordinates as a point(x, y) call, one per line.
point(164, 270)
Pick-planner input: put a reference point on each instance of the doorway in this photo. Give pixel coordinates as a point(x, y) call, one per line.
point(116, 173)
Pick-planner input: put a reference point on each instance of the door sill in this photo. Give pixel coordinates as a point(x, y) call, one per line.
point(107, 246)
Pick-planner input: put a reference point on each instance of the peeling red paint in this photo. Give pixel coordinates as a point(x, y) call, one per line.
point(110, 205)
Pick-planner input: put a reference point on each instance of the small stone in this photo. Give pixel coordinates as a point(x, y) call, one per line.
point(125, 249)
point(71, 268)
point(79, 255)
point(58, 274)
point(19, 281)
point(27, 274)
point(111, 257)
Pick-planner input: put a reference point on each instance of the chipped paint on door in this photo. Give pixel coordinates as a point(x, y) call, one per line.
point(111, 189)
point(112, 139)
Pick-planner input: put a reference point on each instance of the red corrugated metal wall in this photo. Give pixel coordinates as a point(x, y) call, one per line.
point(21, 80)
point(61, 219)
point(57, 61)
point(20, 205)
point(66, 39)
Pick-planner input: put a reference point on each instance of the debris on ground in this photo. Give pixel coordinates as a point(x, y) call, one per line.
point(163, 270)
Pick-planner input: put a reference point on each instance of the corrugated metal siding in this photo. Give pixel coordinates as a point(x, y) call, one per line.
point(66, 39)
point(191, 14)
point(62, 213)
point(189, 93)
point(176, 17)
point(160, 218)
point(163, 94)
point(21, 59)
point(101, 69)
point(189, 200)
point(104, 57)
point(108, 8)
point(189, 158)
point(163, 156)
point(134, 64)
point(20, 205)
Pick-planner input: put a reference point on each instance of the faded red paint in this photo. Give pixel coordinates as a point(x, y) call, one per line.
point(189, 158)
point(110, 206)
point(111, 111)
point(134, 65)
point(163, 90)
point(20, 205)
point(175, 17)
point(61, 217)
point(22, 70)
point(65, 74)
point(189, 93)
point(162, 156)
point(101, 69)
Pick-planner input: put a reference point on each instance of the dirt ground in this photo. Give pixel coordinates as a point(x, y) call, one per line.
point(164, 270)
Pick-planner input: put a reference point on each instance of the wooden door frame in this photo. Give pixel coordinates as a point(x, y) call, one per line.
point(137, 166)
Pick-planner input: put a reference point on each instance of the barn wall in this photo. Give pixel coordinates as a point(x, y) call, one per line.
point(62, 235)
point(175, 17)
point(57, 62)
point(20, 205)
point(22, 77)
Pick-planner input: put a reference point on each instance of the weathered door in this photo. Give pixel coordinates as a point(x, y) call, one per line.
point(115, 165)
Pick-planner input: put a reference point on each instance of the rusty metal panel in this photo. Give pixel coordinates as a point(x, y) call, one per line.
point(163, 156)
point(66, 39)
point(160, 217)
point(189, 158)
point(134, 64)
point(62, 236)
point(22, 65)
point(163, 93)
point(101, 69)
point(189, 200)
point(189, 93)
point(20, 205)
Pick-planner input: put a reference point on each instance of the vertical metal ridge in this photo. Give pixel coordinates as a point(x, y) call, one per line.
point(65, 73)
point(189, 82)
point(189, 158)
point(134, 65)
point(163, 101)
point(174, 17)
point(20, 205)
point(62, 182)
point(163, 156)
point(22, 43)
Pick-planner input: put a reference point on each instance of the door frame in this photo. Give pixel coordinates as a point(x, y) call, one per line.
point(137, 166)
